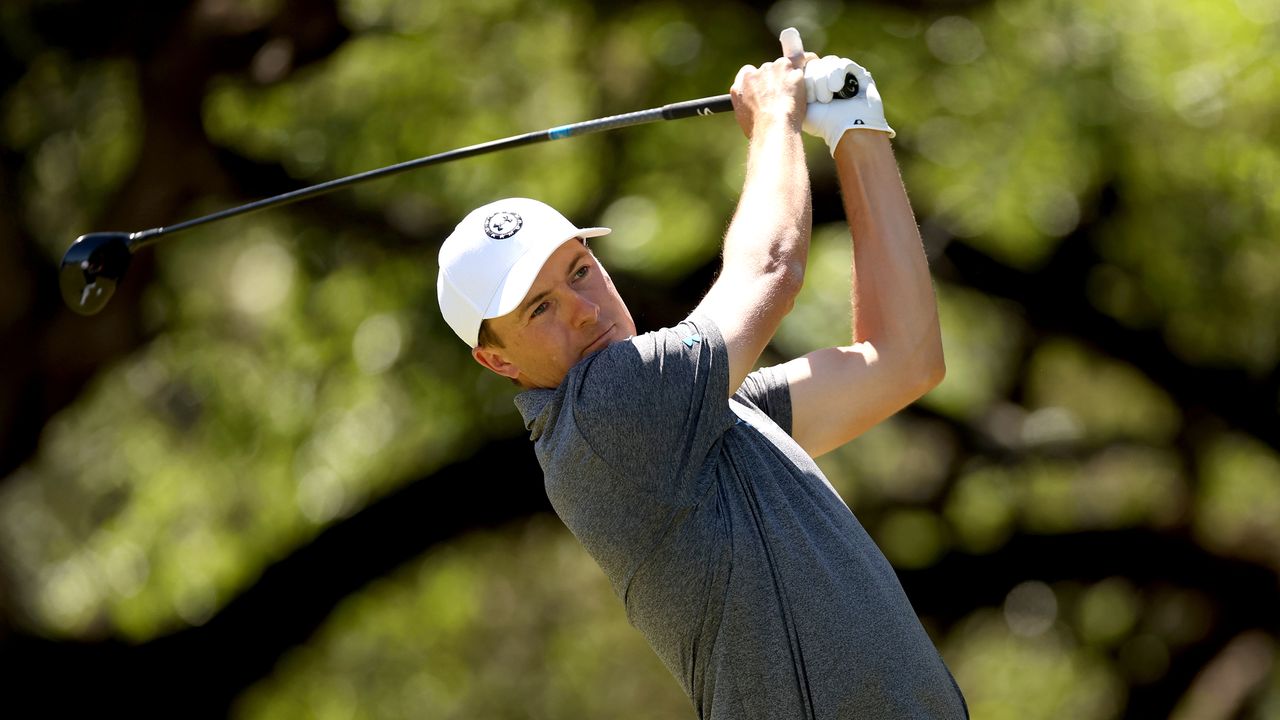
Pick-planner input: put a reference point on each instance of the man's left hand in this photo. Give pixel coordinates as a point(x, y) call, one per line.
point(828, 117)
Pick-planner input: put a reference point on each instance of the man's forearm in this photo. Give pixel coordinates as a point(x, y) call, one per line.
point(892, 300)
point(770, 229)
point(767, 243)
point(765, 248)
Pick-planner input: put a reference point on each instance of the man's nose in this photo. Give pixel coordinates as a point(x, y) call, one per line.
point(585, 312)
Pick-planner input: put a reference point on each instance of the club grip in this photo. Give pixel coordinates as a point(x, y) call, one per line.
point(850, 88)
point(701, 106)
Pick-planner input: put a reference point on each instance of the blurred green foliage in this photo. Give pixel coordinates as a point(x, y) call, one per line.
point(520, 624)
point(79, 128)
point(299, 369)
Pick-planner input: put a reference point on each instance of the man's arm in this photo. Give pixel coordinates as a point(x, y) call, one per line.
point(767, 244)
point(896, 351)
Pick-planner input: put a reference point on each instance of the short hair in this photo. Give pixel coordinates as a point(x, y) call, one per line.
point(488, 337)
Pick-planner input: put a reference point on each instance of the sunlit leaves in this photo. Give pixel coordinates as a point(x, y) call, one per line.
point(983, 508)
point(1098, 399)
point(420, 91)
point(1123, 486)
point(1239, 499)
point(912, 538)
point(1108, 611)
point(518, 624)
point(1002, 120)
point(982, 339)
point(80, 126)
point(1013, 677)
point(278, 404)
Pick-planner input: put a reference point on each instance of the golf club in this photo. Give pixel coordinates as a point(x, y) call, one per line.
point(95, 262)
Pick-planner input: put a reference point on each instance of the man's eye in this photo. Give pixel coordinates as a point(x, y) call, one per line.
point(542, 307)
point(582, 272)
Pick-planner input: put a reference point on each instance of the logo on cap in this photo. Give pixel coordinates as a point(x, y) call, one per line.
point(502, 224)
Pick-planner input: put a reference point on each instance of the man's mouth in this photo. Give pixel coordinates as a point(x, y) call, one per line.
point(599, 343)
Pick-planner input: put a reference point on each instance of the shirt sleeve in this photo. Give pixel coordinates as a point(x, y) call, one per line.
point(653, 407)
point(768, 390)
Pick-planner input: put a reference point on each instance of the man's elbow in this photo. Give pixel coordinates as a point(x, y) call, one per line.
point(935, 373)
point(782, 283)
point(786, 273)
point(927, 373)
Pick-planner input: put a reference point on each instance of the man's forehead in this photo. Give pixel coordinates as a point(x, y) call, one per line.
point(561, 263)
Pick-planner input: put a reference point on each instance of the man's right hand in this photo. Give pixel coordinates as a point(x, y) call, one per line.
point(770, 94)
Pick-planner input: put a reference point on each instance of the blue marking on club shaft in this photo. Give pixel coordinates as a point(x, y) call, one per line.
point(563, 131)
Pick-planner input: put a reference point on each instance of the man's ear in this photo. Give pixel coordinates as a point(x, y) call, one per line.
point(494, 359)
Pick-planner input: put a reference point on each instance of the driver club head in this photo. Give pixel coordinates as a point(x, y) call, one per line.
point(91, 268)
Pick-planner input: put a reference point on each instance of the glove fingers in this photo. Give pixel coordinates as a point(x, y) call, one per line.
point(815, 79)
point(835, 77)
point(821, 90)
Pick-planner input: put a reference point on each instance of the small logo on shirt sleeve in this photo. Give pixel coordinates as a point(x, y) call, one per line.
point(690, 340)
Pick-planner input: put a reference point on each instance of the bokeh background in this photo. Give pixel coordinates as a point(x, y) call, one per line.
point(268, 482)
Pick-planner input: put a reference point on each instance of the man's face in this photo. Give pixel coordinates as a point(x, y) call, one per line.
point(571, 311)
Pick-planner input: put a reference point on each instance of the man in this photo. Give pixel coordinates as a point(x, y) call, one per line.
point(690, 479)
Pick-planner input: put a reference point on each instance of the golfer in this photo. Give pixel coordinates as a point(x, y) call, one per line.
point(689, 478)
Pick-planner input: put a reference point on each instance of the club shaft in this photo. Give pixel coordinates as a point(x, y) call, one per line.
point(673, 111)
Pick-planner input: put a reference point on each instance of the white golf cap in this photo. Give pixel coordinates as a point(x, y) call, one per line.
point(490, 261)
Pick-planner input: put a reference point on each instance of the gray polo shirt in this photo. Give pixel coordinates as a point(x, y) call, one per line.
point(733, 555)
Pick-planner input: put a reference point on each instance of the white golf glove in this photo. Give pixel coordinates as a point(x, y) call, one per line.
point(827, 116)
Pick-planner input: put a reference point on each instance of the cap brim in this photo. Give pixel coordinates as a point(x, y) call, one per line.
point(516, 284)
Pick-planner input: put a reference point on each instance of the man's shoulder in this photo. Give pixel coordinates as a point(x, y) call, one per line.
point(664, 350)
point(633, 387)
